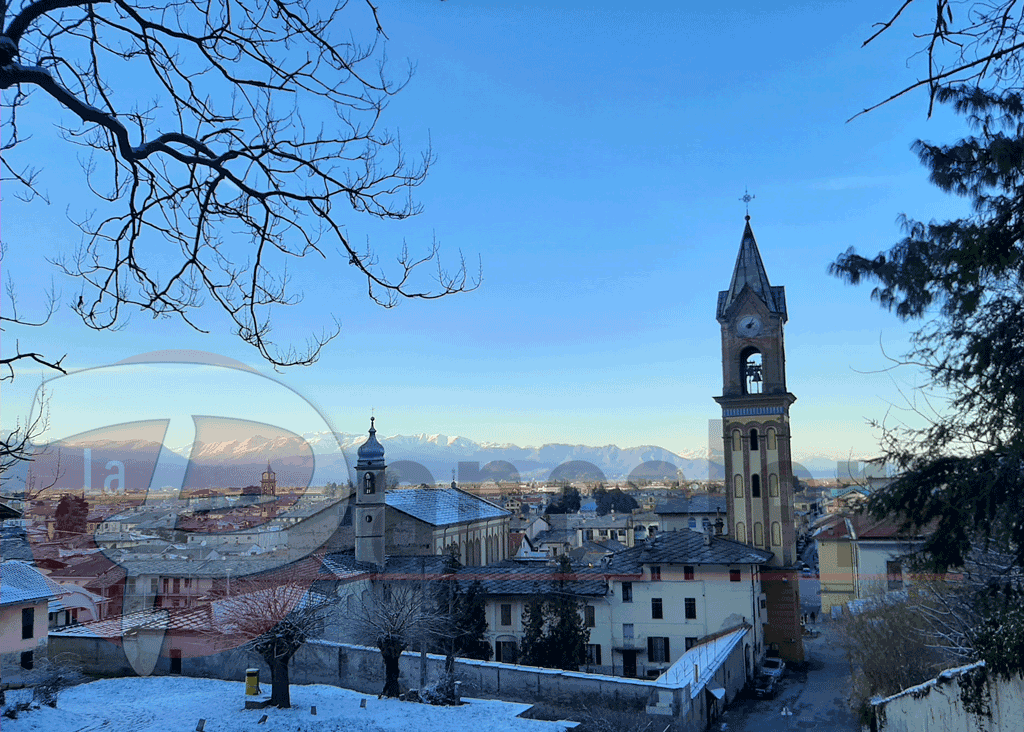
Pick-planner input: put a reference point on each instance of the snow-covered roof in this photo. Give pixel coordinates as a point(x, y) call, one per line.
point(442, 506)
point(20, 583)
point(707, 657)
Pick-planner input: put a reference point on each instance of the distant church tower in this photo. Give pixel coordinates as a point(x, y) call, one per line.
point(756, 435)
point(268, 483)
point(369, 513)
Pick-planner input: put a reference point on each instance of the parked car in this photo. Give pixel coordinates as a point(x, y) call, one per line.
point(773, 667)
point(765, 686)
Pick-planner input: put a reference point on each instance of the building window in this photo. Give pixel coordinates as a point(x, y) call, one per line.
point(690, 604)
point(753, 440)
point(657, 649)
point(177, 586)
point(737, 482)
point(593, 654)
point(506, 614)
point(588, 616)
point(167, 582)
point(691, 641)
point(776, 533)
point(627, 631)
point(655, 574)
point(687, 571)
point(656, 609)
point(627, 592)
point(735, 575)
point(755, 486)
point(369, 483)
point(693, 523)
point(758, 534)
point(737, 440)
point(773, 485)
point(28, 623)
point(741, 532)
point(27, 660)
point(894, 574)
point(175, 660)
point(772, 443)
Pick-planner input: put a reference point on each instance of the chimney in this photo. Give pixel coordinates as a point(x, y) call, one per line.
point(707, 535)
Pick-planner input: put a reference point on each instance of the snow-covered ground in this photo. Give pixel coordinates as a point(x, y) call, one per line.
point(160, 704)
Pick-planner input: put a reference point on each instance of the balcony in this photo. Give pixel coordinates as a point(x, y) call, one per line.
point(629, 644)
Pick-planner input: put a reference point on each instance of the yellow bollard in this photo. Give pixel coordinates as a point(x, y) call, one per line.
point(252, 681)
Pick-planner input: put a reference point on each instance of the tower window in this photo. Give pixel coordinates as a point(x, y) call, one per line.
point(753, 440)
point(755, 486)
point(776, 533)
point(751, 375)
point(741, 532)
point(758, 534)
point(738, 486)
point(771, 435)
point(773, 485)
point(737, 440)
point(369, 483)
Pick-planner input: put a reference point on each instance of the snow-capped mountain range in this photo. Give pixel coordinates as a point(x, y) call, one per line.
point(441, 454)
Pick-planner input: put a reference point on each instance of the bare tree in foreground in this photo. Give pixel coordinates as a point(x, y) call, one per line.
point(977, 43)
point(240, 138)
point(392, 615)
point(274, 618)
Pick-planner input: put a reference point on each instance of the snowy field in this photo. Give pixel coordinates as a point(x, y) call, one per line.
point(176, 704)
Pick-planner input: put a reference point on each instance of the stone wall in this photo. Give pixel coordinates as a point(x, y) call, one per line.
point(360, 668)
point(965, 698)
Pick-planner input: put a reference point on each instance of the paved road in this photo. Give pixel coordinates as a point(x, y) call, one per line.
point(816, 696)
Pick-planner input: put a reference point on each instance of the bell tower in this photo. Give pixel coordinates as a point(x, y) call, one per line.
point(755, 405)
point(268, 482)
point(369, 510)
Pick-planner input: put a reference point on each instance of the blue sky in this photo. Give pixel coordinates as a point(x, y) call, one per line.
point(591, 155)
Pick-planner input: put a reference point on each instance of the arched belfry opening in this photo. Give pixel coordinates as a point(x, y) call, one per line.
point(751, 371)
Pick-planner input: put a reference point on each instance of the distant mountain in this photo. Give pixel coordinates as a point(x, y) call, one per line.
point(414, 459)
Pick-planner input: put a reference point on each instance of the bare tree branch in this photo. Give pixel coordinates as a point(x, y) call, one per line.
point(264, 131)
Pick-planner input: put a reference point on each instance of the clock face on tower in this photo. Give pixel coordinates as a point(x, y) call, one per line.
point(748, 326)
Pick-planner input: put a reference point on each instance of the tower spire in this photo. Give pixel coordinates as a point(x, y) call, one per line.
point(749, 272)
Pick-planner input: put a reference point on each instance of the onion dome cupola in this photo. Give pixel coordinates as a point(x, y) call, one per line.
point(371, 452)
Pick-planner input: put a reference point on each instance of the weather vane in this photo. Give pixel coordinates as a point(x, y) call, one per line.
point(747, 198)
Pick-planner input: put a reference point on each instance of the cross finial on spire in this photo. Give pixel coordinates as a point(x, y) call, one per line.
point(747, 198)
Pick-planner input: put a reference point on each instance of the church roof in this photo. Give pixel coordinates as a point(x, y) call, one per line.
point(442, 506)
point(749, 272)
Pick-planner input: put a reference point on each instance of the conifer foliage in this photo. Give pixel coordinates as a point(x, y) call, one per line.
point(555, 634)
point(962, 473)
point(71, 515)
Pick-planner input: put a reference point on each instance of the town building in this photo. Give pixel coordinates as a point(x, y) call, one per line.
point(696, 512)
point(645, 605)
point(860, 558)
point(25, 595)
